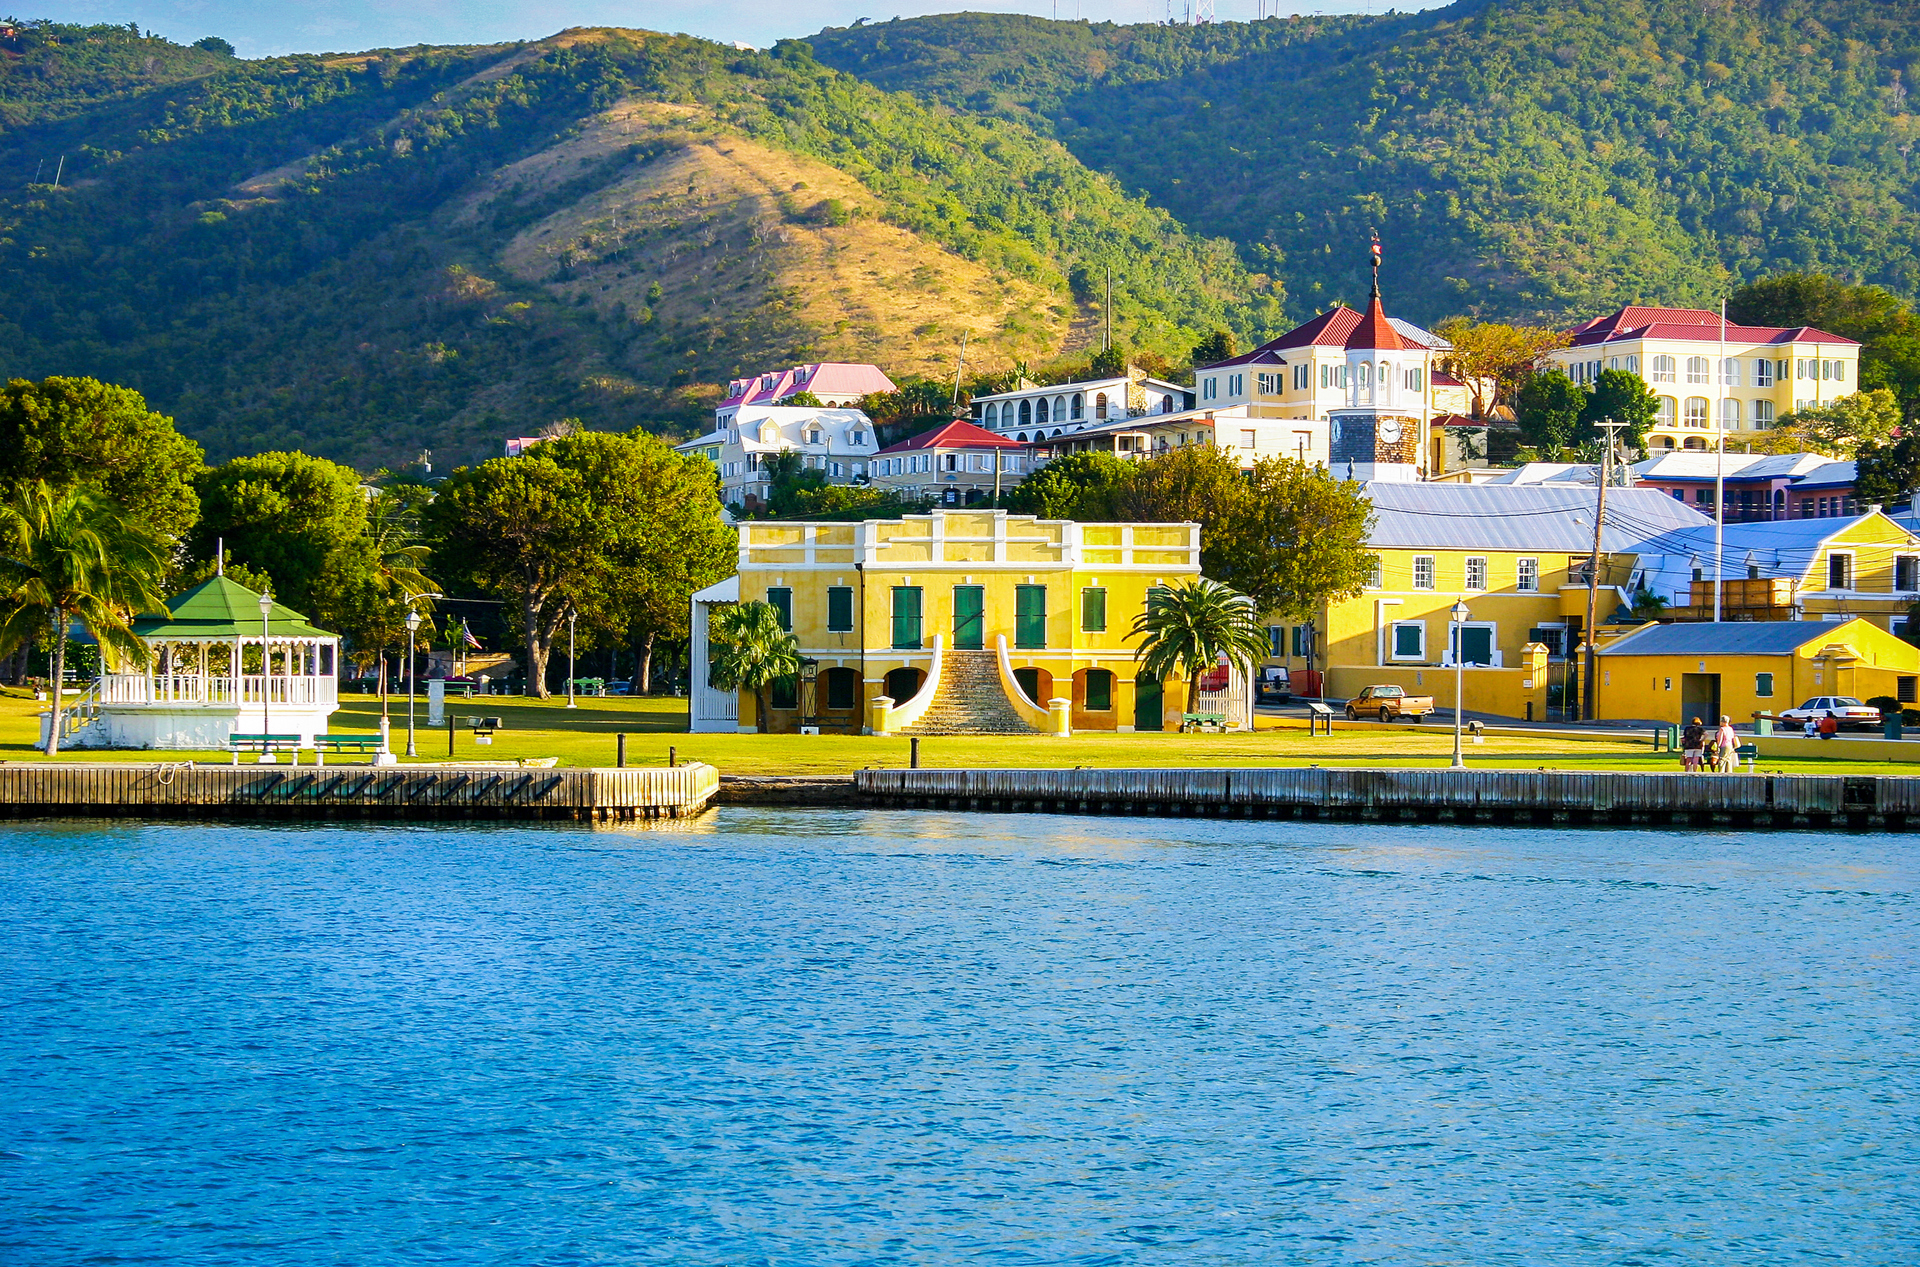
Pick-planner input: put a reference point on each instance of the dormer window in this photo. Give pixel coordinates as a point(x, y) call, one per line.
point(813, 437)
point(857, 438)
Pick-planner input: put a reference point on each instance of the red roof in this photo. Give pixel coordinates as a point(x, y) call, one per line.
point(955, 435)
point(1375, 332)
point(1443, 379)
point(1634, 322)
point(1329, 329)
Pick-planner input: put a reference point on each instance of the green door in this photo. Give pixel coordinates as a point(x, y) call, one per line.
point(969, 617)
point(906, 616)
point(1146, 703)
point(1478, 643)
point(1030, 617)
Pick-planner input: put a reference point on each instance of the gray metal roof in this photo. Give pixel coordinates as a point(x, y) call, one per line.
point(1754, 637)
point(1551, 518)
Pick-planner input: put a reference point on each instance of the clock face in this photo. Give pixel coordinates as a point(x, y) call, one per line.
point(1389, 429)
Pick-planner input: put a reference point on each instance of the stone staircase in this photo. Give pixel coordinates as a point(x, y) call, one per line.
point(969, 700)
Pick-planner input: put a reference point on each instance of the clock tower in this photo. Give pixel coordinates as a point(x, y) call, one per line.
point(1375, 435)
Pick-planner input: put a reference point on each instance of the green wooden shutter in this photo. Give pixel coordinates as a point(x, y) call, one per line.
point(906, 616)
point(1093, 609)
point(1030, 617)
point(969, 619)
point(840, 609)
point(781, 601)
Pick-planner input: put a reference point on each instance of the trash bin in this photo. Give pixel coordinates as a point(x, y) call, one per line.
point(1890, 725)
point(1763, 725)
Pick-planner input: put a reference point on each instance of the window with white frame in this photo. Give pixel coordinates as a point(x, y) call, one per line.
point(1696, 412)
point(1763, 372)
point(1476, 573)
point(1667, 411)
point(1730, 414)
point(1663, 370)
point(1374, 580)
point(1633, 363)
point(1250, 440)
point(1423, 571)
point(1762, 414)
point(1730, 372)
point(1526, 575)
point(1416, 380)
point(1302, 377)
point(1697, 369)
point(1906, 574)
point(1839, 571)
point(1210, 390)
point(1409, 640)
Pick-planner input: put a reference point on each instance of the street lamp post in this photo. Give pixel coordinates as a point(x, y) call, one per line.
point(413, 623)
point(1459, 614)
point(266, 670)
point(571, 616)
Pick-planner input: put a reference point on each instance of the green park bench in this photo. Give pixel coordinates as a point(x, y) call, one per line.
point(237, 744)
point(1204, 721)
point(323, 744)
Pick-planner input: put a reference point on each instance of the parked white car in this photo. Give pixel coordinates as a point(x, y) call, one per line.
point(1848, 711)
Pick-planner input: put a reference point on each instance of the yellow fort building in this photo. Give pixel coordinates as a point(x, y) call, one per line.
point(957, 621)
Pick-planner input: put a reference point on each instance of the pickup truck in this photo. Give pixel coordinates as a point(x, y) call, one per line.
point(1389, 703)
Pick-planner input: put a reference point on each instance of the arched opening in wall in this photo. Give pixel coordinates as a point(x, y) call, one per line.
point(993, 415)
point(1078, 407)
point(840, 691)
point(1040, 410)
point(903, 684)
point(1100, 406)
point(1036, 684)
point(1060, 408)
point(1026, 412)
point(1695, 442)
point(1093, 690)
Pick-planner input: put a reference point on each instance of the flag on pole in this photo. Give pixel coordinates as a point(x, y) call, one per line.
point(467, 638)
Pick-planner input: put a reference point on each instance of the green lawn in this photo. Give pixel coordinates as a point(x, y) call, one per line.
point(585, 737)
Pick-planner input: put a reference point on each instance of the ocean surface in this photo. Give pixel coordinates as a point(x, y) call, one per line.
point(805, 1037)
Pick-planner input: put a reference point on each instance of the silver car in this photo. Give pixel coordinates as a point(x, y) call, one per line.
point(1848, 711)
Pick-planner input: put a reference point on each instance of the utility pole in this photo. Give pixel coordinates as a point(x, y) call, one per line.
point(1589, 693)
point(961, 368)
point(1719, 460)
point(58, 170)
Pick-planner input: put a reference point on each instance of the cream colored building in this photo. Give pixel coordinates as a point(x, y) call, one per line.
point(1763, 372)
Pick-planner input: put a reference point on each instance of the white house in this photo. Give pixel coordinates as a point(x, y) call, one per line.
point(958, 463)
point(834, 383)
point(1031, 413)
point(838, 442)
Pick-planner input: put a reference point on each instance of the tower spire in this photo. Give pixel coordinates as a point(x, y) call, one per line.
point(1376, 266)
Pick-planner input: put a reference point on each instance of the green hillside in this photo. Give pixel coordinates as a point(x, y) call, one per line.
point(1520, 158)
point(367, 255)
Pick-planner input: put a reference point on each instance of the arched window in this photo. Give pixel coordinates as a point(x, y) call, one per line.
point(1059, 408)
point(1366, 373)
point(1663, 370)
point(1040, 410)
point(1730, 372)
point(1166, 404)
point(1697, 369)
point(1730, 414)
point(1026, 412)
point(1100, 406)
point(1078, 407)
point(1056, 431)
point(1383, 380)
point(1696, 408)
point(1694, 442)
point(1762, 414)
point(1022, 437)
point(993, 415)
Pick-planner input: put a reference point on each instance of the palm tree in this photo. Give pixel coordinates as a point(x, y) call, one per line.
point(393, 534)
point(751, 650)
point(1189, 625)
point(74, 555)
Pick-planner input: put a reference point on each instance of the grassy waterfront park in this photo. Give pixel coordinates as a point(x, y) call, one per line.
point(586, 736)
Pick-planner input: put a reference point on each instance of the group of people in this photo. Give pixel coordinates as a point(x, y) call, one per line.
point(1718, 751)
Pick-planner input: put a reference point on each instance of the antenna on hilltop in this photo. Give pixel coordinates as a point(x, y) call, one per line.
point(1203, 12)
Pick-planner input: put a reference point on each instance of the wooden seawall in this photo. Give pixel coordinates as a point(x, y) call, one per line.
point(407, 792)
point(1473, 796)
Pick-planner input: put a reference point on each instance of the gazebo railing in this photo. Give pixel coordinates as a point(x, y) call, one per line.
point(186, 688)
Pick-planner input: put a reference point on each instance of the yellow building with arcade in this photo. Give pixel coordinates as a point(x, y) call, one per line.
point(958, 622)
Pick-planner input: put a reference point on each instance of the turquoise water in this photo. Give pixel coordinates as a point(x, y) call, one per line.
point(850, 1038)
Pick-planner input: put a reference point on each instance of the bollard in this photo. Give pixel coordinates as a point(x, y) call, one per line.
point(1890, 726)
point(913, 753)
point(673, 757)
point(1529, 710)
point(449, 734)
point(620, 751)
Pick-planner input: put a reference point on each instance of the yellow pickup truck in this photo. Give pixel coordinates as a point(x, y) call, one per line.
point(1389, 703)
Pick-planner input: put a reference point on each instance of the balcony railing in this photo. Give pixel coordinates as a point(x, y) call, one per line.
point(164, 689)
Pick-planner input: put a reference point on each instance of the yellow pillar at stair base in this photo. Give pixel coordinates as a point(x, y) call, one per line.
point(1059, 717)
point(879, 709)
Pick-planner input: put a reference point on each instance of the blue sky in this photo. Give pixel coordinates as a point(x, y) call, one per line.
point(261, 27)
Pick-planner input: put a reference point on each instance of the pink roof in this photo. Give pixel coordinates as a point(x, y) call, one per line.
point(1696, 324)
point(1375, 331)
point(822, 378)
point(955, 435)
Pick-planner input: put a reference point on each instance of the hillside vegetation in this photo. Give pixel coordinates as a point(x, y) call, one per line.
point(431, 248)
point(1522, 159)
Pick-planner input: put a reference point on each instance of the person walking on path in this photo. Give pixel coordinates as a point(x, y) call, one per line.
point(1692, 740)
point(1727, 745)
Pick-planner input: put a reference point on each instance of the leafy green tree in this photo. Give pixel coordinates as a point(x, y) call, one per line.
point(1885, 326)
point(75, 555)
point(295, 517)
point(1107, 363)
point(1217, 346)
point(1847, 425)
point(751, 652)
point(70, 431)
point(803, 400)
point(1083, 486)
point(612, 527)
point(1188, 626)
point(1888, 472)
point(1549, 410)
point(1298, 541)
point(214, 44)
point(1494, 360)
point(1621, 397)
point(1195, 484)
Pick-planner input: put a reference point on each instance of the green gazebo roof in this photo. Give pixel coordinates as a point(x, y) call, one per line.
point(219, 610)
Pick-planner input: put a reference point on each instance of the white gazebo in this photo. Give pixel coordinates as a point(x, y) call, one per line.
point(221, 666)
